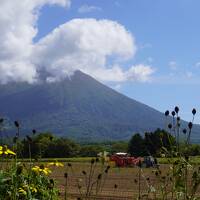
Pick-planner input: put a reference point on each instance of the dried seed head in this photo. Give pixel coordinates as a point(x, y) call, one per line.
point(169, 126)
point(178, 119)
point(156, 173)
point(173, 113)
point(135, 180)
point(106, 171)
point(190, 125)
point(166, 113)
point(99, 176)
point(194, 111)
point(97, 159)
point(16, 124)
point(115, 186)
point(34, 131)
point(184, 130)
point(92, 161)
point(108, 167)
point(176, 109)
point(84, 172)
point(1, 120)
point(69, 164)
point(51, 181)
point(66, 175)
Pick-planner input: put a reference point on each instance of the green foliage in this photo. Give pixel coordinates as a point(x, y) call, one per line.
point(136, 146)
point(25, 182)
point(90, 150)
point(155, 141)
point(151, 144)
point(48, 146)
point(61, 148)
point(119, 147)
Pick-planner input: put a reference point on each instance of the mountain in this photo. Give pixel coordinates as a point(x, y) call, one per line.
point(78, 107)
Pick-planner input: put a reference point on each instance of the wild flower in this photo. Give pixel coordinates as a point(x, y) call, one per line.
point(56, 164)
point(22, 191)
point(5, 151)
point(41, 169)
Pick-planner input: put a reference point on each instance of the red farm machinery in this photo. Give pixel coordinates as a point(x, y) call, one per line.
point(125, 160)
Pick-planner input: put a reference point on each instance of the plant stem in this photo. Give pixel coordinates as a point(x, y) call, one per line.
point(65, 188)
point(139, 185)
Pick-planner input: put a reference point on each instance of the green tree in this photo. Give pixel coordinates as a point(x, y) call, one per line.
point(119, 147)
point(154, 141)
point(136, 146)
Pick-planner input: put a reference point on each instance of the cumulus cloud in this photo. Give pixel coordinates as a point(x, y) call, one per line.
point(86, 8)
point(18, 28)
point(84, 44)
point(79, 44)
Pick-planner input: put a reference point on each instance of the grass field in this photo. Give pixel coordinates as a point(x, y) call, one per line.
point(119, 183)
point(193, 160)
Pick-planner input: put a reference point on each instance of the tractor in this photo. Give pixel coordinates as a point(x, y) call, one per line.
point(125, 160)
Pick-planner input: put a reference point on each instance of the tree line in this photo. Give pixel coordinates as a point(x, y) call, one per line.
point(47, 145)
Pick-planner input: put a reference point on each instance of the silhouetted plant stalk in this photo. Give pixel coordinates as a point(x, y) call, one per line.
point(139, 179)
point(93, 184)
point(66, 178)
point(180, 175)
point(69, 165)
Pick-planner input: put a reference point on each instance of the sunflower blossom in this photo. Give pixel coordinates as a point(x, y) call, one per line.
point(56, 164)
point(41, 169)
point(5, 151)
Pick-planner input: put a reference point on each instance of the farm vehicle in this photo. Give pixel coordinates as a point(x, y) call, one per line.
point(125, 160)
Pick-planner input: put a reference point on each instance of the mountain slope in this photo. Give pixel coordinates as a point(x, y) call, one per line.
point(79, 107)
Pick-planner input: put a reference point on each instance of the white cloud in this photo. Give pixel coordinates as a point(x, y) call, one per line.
point(173, 65)
point(140, 73)
point(117, 87)
point(85, 44)
point(86, 8)
point(18, 20)
point(79, 44)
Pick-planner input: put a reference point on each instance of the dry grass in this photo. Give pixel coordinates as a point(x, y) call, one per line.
point(126, 180)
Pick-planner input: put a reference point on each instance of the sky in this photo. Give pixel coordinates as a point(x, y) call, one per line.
point(148, 50)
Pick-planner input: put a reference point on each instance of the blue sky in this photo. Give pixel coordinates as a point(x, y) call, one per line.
point(167, 35)
point(156, 36)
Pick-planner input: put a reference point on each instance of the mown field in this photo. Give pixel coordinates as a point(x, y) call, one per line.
point(119, 183)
